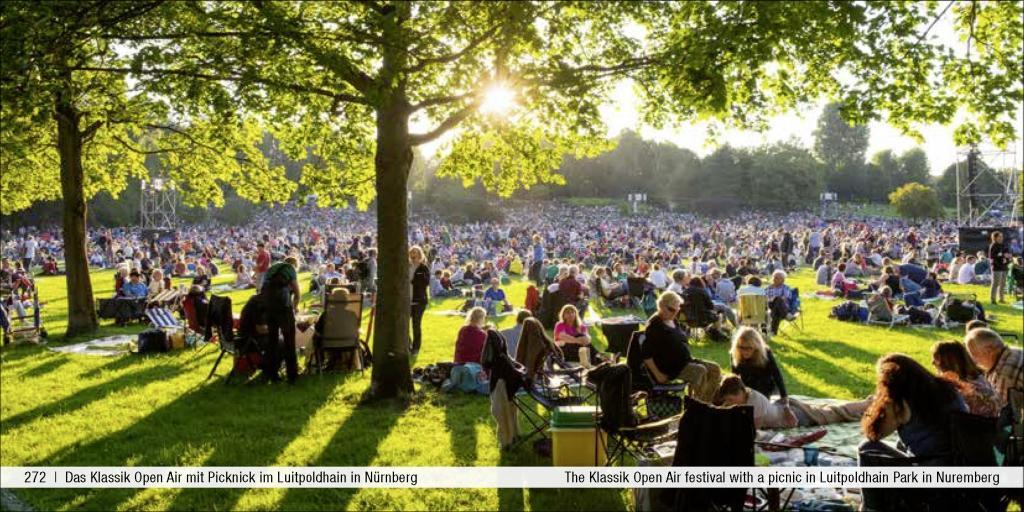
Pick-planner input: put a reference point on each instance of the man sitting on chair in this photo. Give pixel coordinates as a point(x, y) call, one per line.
point(134, 288)
point(778, 298)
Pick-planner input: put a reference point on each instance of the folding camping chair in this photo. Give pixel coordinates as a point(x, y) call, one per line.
point(636, 287)
point(32, 331)
point(753, 312)
point(628, 432)
point(698, 443)
point(660, 400)
point(795, 318)
point(219, 320)
point(552, 384)
point(881, 313)
point(697, 319)
point(338, 328)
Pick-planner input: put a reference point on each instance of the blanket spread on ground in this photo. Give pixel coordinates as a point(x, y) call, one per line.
point(109, 346)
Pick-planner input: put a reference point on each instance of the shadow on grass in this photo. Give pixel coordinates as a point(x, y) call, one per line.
point(461, 414)
point(355, 443)
point(117, 364)
point(52, 364)
point(94, 393)
point(263, 420)
point(510, 499)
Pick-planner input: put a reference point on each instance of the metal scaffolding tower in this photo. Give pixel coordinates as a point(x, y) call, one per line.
point(974, 205)
point(159, 200)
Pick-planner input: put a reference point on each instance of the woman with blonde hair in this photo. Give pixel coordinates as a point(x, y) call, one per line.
point(754, 362)
point(419, 280)
point(571, 334)
point(469, 345)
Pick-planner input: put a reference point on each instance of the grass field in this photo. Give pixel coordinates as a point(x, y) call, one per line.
point(159, 410)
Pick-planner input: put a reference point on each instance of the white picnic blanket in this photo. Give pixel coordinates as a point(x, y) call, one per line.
point(107, 347)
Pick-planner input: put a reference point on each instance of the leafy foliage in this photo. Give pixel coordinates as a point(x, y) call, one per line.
point(916, 201)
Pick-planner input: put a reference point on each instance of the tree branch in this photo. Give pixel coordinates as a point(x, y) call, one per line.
point(90, 130)
point(351, 98)
point(423, 63)
point(341, 65)
point(416, 139)
point(441, 100)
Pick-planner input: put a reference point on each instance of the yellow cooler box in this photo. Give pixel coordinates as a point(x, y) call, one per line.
point(576, 438)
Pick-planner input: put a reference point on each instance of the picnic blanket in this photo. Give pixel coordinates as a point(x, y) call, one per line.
point(106, 347)
point(842, 437)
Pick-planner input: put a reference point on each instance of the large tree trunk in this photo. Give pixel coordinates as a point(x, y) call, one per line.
point(391, 376)
point(81, 312)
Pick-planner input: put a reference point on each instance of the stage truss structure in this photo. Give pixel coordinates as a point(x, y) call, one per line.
point(158, 204)
point(975, 207)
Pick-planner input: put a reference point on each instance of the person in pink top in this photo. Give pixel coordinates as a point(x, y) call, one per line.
point(571, 334)
point(469, 346)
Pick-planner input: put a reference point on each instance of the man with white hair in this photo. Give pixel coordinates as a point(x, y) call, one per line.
point(778, 298)
point(1003, 365)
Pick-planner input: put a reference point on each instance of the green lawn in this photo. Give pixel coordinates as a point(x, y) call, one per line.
point(158, 410)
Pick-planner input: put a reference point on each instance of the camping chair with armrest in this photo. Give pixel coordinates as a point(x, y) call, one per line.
point(550, 383)
point(881, 313)
point(636, 287)
point(219, 326)
point(753, 312)
point(659, 400)
point(342, 318)
point(628, 432)
point(795, 318)
point(697, 319)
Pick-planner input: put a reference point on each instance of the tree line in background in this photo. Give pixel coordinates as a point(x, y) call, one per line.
point(782, 176)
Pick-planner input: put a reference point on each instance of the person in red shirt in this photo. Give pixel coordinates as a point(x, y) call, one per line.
point(469, 346)
point(262, 264)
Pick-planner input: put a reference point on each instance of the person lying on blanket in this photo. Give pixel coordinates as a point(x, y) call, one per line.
point(793, 413)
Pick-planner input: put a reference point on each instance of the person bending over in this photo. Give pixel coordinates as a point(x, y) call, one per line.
point(281, 294)
point(914, 403)
point(666, 352)
point(794, 413)
point(1002, 364)
point(951, 360)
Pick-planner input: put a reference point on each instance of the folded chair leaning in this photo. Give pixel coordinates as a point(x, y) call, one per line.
point(548, 382)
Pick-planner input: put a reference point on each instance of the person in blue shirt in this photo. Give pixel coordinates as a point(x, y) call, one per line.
point(134, 288)
point(494, 296)
point(538, 261)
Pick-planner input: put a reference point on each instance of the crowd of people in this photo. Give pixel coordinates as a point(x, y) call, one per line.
point(694, 269)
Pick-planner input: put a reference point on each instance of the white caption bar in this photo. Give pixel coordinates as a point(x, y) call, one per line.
point(508, 477)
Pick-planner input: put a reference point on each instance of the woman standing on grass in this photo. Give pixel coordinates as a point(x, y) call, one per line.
point(1000, 258)
point(420, 281)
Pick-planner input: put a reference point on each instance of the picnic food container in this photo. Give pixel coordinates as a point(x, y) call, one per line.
point(576, 439)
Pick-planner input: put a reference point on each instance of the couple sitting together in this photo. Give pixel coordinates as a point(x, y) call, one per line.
point(666, 356)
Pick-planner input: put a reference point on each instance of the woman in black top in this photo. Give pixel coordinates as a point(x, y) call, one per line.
point(999, 256)
point(666, 353)
point(420, 279)
point(753, 361)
